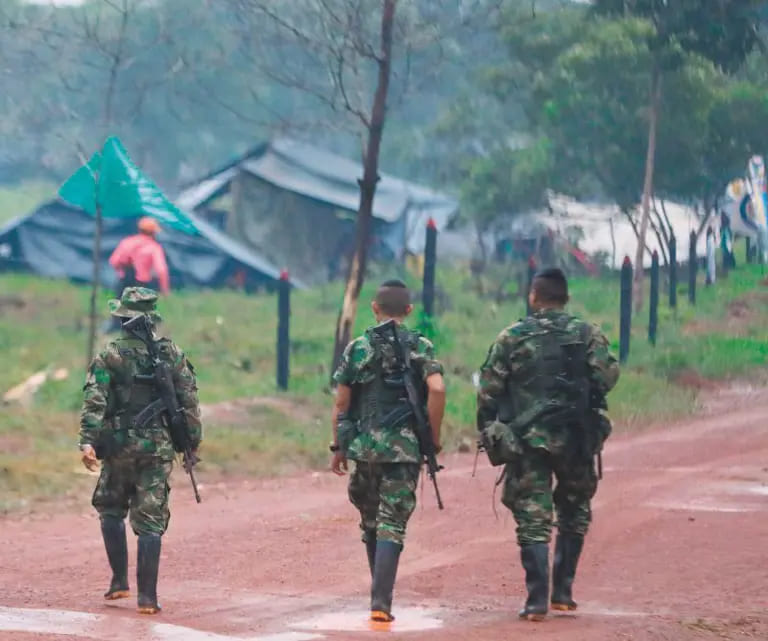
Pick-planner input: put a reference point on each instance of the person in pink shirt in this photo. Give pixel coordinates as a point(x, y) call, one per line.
point(140, 259)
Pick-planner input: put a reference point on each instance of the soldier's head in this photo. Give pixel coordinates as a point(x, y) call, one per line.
point(393, 300)
point(549, 290)
point(149, 226)
point(135, 301)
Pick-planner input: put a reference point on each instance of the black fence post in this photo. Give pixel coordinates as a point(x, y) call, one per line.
point(430, 262)
point(653, 321)
point(693, 264)
point(529, 281)
point(673, 272)
point(283, 329)
point(625, 309)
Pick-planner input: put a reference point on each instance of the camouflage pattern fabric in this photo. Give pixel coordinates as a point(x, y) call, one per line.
point(112, 398)
point(134, 301)
point(375, 444)
point(138, 484)
point(509, 362)
point(385, 496)
point(528, 494)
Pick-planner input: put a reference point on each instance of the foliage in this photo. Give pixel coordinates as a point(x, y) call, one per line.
point(581, 78)
point(724, 32)
point(197, 83)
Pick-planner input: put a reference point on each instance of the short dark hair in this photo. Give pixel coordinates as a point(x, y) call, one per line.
point(550, 286)
point(393, 297)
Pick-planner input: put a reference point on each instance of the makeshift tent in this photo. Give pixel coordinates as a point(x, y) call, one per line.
point(297, 204)
point(56, 240)
point(599, 229)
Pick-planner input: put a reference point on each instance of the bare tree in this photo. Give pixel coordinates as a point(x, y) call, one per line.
point(356, 59)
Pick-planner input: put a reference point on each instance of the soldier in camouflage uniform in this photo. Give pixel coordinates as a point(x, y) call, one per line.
point(374, 427)
point(136, 462)
point(539, 411)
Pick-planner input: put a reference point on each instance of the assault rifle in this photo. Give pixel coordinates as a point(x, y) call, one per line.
point(423, 429)
point(167, 406)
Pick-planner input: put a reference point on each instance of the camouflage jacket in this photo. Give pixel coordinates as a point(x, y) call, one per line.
point(510, 355)
point(375, 444)
point(111, 397)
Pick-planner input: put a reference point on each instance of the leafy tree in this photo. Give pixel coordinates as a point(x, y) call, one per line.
point(723, 31)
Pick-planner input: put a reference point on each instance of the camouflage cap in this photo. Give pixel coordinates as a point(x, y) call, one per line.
point(134, 302)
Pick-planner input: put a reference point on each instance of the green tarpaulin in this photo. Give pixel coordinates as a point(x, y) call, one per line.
point(111, 179)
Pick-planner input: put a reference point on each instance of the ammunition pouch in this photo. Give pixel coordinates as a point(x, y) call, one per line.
point(501, 444)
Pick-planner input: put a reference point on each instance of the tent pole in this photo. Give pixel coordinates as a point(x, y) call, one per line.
point(95, 285)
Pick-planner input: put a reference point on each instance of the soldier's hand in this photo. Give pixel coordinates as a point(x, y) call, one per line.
point(339, 464)
point(89, 458)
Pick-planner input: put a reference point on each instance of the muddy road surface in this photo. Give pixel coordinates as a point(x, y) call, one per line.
point(677, 552)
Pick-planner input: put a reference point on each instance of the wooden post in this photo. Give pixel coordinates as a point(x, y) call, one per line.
point(430, 262)
point(625, 309)
point(654, 302)
point(673, 272)
point(693, 265)
point(283, 329)
point(711, 263)
point(531, 274)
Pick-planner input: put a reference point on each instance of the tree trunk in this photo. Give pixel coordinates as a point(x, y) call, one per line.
point(368, 183)
point(647, 185)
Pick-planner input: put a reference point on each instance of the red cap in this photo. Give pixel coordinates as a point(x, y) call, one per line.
point(627, 262)
point(284, 275)
point(431, 223)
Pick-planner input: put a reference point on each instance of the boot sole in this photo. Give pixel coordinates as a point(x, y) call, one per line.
point(378, 616)
point(563, 607)
point(149, 610)
point(533, 618)
point(118, 594)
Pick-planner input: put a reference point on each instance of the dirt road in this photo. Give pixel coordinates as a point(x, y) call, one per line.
point(677, 552)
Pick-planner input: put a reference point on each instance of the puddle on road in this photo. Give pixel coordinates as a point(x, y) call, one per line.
point(762, 490)
point(406, 620)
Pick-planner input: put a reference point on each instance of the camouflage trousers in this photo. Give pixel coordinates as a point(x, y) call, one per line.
point(385, 496)
point(528, 493)
point(135, 484)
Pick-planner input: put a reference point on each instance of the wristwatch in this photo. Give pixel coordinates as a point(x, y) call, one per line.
point(334, 447)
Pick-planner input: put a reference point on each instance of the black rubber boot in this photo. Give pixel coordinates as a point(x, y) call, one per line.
point(535, 558)
point(147, 566)
point(384, 574)
point(567, 551)
point(370, 548)
point(113, 532)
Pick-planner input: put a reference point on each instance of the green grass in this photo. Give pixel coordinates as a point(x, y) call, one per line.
point(20, 199)
point(230, 339)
